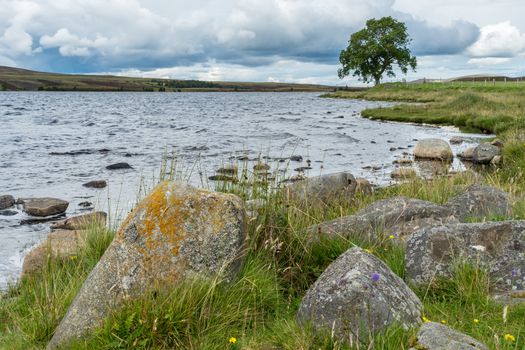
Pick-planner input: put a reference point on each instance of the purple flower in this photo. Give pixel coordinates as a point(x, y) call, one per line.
point(514, 273)
point(375, 277)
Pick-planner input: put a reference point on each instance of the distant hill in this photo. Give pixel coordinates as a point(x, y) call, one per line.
point(470, 78)
point(16, 79)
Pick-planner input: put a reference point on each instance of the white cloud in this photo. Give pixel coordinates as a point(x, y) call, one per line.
point(488, 61)
point(498, 40)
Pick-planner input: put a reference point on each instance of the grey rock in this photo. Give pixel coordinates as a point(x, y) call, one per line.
point(435, 336)
point(261, 167)
point(358, 296)
point(96, 184)
point(456, 140)
point(228, 170)
point(433, 149)
point(8, 213)
point(176, 232)
point(119, 166)
point(6, 201)
point(403, 161)
point(479, 202)
point(400, 216)
point(321, 190)
point(45, 206)
point(296, 158)
point(364, 187)
point(498, 246)
point(483, 153)
point(467, 154)
point(81, 222)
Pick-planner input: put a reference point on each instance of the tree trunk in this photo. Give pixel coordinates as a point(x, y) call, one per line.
point(378, 81)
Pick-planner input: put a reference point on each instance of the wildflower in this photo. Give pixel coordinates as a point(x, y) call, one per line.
point(369, 251)
point(73, 257)
point(232, 340)
point(375, 277)
point(443, 321)
point(391, 236)
point(509, 337)
point(475, 320)
point(425, 319)
point(514, 273)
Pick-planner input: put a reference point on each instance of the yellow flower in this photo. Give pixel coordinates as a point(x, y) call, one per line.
point(232, 340)
point(369, 251)
point(73, 257)
point(509, 337)
point(475, 320)
point(444, 321)
point(391, 236)
point(425, 319)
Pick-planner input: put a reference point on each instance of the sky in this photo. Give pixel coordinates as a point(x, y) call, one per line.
point(254, 40)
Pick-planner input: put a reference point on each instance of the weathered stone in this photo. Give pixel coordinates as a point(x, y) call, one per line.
point(496, 161)
point(483, 153)
point(498, 246)
point(467, 154)
point(96, 184)
point(321, 190)
point(59, 244)
point(6, 201)
point(81, 222)
point(119, 166)
point(479, 202)
point(400, 216)
point(403, 173)
point(433, 149)
point(8, 213)
point(45, 206)
point(435, 336)
point(229, 169)
point(177, 231)
point(358, 296)
point(456, 140)
point(296, 158)
point(363, 186)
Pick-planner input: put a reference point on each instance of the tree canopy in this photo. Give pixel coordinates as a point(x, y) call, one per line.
point(376, 49)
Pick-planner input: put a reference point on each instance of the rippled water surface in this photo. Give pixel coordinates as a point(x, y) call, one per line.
point(51, 143)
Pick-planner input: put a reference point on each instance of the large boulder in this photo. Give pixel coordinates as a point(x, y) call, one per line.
point(400, 216)
point(479, 202)
point(82, 222)
point(60, 244)
point(177, 231)
point(321, 190)
point(498, 246)
point(358, 295)
point(433, 149)
point(484, 152)
point(6, 201)
point(45, 206)
point(435, 336)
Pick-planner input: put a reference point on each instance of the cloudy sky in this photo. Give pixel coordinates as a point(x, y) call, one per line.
point(253, 40)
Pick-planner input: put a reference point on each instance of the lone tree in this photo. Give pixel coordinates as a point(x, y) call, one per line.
point(373, 51)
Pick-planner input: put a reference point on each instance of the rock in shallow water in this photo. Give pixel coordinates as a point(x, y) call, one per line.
point(45, 206)
point(119, 166)
point(435, 336)
point(81, 222)
point(6, 201)
point(433, 149)
point(358, 296)
point(484, 153)
point(175, 232)
point(96, 184)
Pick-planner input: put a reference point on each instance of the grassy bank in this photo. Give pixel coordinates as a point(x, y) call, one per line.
point(258, 309)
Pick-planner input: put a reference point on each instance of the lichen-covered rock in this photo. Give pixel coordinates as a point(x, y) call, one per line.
point(399, 216)
point(81, 222)
point(320, 190)
point(498, 246)
point(484, 152)
point(433, 149)
point(479, 202)
point(60, 244)
point(45, 206)
point(435, 336)
point(6, 201)
point(358, 296)
point(177, 231)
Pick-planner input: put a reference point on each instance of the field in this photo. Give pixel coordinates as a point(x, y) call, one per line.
point(258, 309)
point(14, 79)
